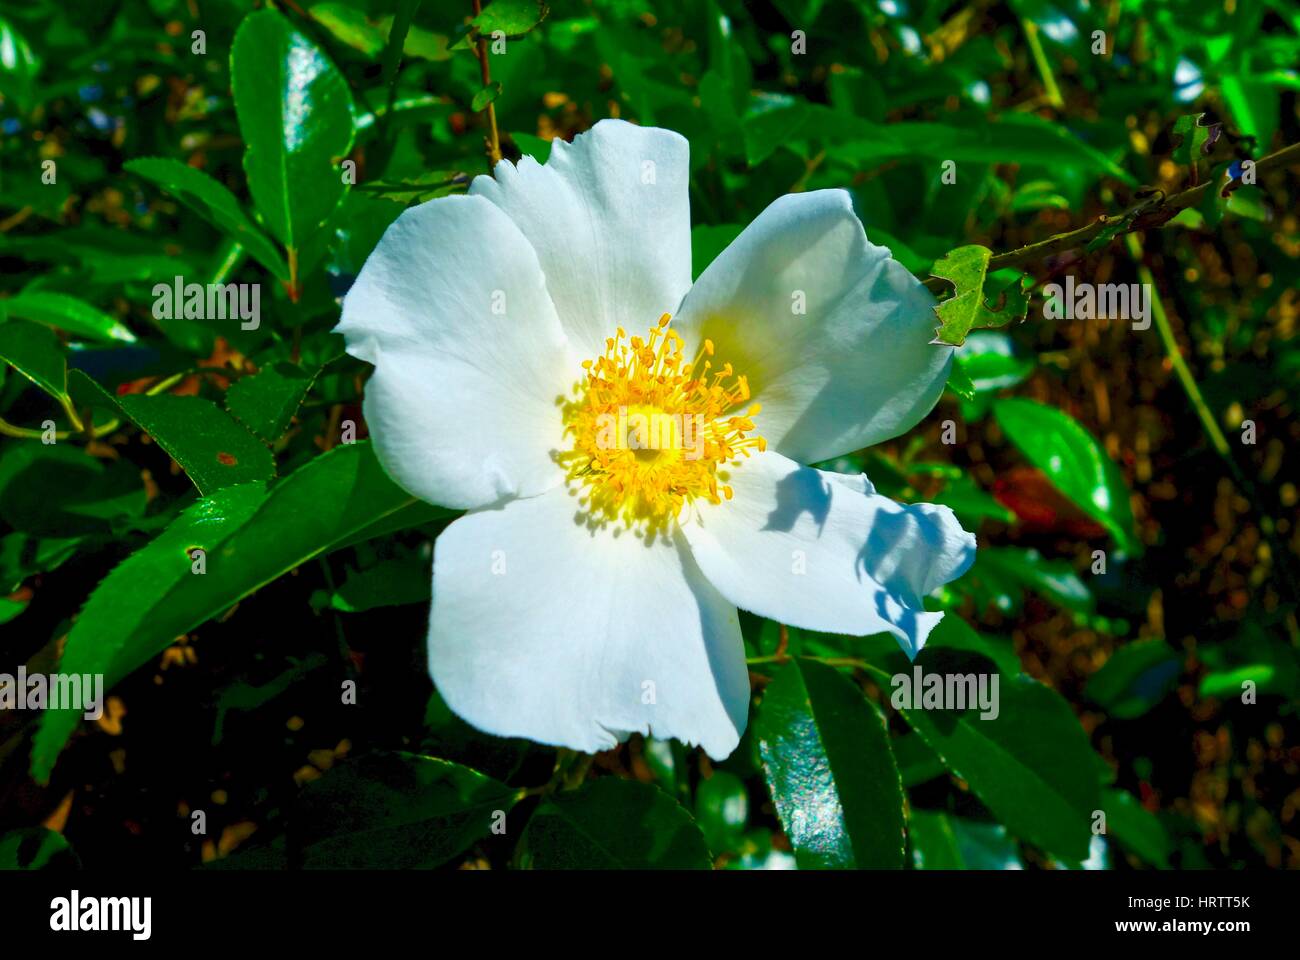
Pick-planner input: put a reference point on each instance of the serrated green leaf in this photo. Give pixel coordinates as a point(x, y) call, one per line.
point(66, 313)
point(1073, 461)
point(211, 200)
point(251, 537)
point(396, 811)
point(827, 761)
point(295, 114)
point(266, 402)
point(613, 824)
point(390, 583)
point(212, 449)
point(976, 302)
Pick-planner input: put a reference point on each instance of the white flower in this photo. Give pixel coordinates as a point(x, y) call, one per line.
point(630, 480)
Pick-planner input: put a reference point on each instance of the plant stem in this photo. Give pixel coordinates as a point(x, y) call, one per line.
point(1040, 61)
point(494, 138)
point(1181, 370)
point(1155, 214)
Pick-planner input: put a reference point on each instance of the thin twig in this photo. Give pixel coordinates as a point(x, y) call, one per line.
point(1149, 215)
point(494, 138)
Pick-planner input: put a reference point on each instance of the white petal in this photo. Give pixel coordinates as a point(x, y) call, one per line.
point(469, 356)
point(609, 216)
point(857, 367)
point(824, 551)
point(544, 629)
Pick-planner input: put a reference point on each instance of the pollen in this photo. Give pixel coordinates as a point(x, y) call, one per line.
point(651, 432)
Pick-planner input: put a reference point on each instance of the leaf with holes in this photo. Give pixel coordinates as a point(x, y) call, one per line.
point(979, 300)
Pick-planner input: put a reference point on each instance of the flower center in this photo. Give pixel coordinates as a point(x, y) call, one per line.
point(651, 432)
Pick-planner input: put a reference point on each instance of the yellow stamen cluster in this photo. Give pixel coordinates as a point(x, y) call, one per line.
point(651, 432)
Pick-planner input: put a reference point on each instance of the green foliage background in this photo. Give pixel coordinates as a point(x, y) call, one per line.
point(220, 157)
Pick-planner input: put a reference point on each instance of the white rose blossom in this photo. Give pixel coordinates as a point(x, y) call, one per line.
point(629, 446)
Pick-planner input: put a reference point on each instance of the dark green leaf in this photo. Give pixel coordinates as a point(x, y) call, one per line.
point(387, 584)
point(941, 841)
point(397, 811)
point(832, 775)
point(1031, 764)
point(214, 203)
point(35, 848)
point(295, 114)
point(1136, 828)
point(485, 96)
point(613, 824)
point(34, 352)
point(211, 448)
point(1136, 677)
point(266, 402)
point(250, 537)
point(722, 810)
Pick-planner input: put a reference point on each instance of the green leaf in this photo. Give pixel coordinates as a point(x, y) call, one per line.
point(1193, 139)
point(266, 402)
point(295, 114)
point(58, 490)
point(18, 68)
point(390, 583)
point(971, 503)
point(1073, 461)
point(959, 382)
point(250, 537)
point(722, 810)
point(1136, 677)
point(832, 774)
point(350, 26)
point(1136, 828)
point(989, 359)
point(34, 848)
point(66, 313)
point(1002, 571)
point(211, 200)
point(613, 824)
point(532, 146)
point(709, 241)
point(514, 18)
point(211, 448)
point(1031, 765)
point(485, 96)
point(954, 633)
point(34, 352)
point(942, 841)
point(978, 301)
point(396, 811)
